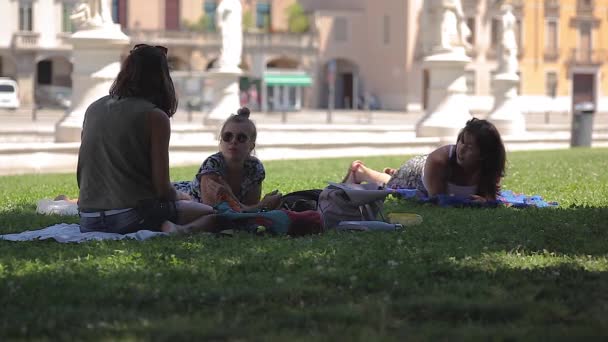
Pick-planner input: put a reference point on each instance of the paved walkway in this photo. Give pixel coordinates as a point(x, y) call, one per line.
point(28, 146)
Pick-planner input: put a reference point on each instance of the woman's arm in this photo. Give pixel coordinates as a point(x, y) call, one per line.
point(435, 171)
point(253, 195)
point(160, 133)
point(214, 190)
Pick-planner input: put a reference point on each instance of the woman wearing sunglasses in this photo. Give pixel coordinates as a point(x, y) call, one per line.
point(233, 175)
point(123, 162)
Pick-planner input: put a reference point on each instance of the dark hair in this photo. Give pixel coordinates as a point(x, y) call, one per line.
point(145, 73)
point(492, 154)
point(242, 115)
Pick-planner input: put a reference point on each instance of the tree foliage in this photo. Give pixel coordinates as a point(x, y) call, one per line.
point(297, 19)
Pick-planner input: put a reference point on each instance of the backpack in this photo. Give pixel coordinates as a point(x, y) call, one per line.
point(302, 200)
point(350, 202)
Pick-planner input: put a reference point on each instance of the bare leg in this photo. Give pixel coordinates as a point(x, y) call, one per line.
point(359, 173)
point(192, 217)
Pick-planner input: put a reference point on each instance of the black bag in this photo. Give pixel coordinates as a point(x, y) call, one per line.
point(153, 212)
point(302, 200)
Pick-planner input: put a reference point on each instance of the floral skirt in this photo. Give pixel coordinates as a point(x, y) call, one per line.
point(409, 175)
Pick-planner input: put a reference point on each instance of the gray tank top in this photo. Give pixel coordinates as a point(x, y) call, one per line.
point(114, 159)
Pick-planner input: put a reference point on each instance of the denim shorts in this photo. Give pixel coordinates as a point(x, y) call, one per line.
point(149, 215)
point(123, 223)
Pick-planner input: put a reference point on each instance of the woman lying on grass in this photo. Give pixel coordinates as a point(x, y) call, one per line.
point(123, 162)
point(232, 175)
point(471, 168)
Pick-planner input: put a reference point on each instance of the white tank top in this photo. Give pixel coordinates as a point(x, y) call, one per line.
point(454, 189)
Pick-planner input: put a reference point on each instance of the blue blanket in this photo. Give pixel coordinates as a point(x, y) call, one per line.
point(506, 198)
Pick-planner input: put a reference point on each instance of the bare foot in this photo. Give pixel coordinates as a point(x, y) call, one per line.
point(169, 227)
point(352, 171)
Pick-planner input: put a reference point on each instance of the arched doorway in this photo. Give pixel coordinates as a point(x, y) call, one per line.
point(53, 82)
point(282, 63)
point(286, 84)
point(177, 64)
point(340, 77)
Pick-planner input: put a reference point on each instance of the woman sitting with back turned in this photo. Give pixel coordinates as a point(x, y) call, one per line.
point(233, 175)
point(473, 167)
point(123, 162)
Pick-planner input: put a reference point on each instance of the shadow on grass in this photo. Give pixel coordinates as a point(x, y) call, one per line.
point(24, 217)
point(299, 290)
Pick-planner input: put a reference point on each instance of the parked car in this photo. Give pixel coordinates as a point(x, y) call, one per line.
point(9, 93)
point(53, 96)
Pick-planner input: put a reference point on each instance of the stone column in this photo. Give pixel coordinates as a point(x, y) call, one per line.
point(226, 99)
point(506, 114)
point(96, 64)
point(25, 77)
point(447, 110)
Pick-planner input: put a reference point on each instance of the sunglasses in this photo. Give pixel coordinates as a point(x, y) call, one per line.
point(163, 49)
point(241, 138)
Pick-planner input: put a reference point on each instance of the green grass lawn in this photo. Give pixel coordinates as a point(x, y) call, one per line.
point(464, 274)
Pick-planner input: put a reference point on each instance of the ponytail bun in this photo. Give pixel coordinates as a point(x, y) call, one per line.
point(244, 112)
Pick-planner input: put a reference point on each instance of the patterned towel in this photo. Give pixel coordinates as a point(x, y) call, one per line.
point(506, 198)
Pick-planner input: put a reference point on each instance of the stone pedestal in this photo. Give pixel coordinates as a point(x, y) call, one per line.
point(506, 114)
point(225, 90)
point(96, 65)
point(447, 110)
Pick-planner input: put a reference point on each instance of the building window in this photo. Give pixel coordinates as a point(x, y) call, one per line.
point(471, 25)
point(25, 16)
point(470, 80)
point(519, 83)
point(519, 30)
point(119, 12)
point(340, 29)
point(495, 33)
point(172, 15)
point(44, 72)
point(209, 8)
point(66, 12)
point(115, 11)
point(551, 83)
point(585, 36)
point(262, 16)
point(551, 36)
point(387, 30)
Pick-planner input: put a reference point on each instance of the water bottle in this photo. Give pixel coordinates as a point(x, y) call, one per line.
point(366, 226)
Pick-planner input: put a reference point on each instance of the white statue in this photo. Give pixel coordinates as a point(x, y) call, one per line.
point(508, 43)
point(229, 20)
point(93, 14)
point(454, 29)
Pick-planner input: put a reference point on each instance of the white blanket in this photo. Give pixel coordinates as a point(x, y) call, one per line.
point(64, 232)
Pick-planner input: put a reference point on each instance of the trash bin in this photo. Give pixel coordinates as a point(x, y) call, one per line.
point(582, 124)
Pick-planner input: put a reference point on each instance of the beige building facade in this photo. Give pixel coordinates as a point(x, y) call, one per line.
point(356, 53)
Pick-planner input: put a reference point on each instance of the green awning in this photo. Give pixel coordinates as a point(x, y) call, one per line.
point(288, 80)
